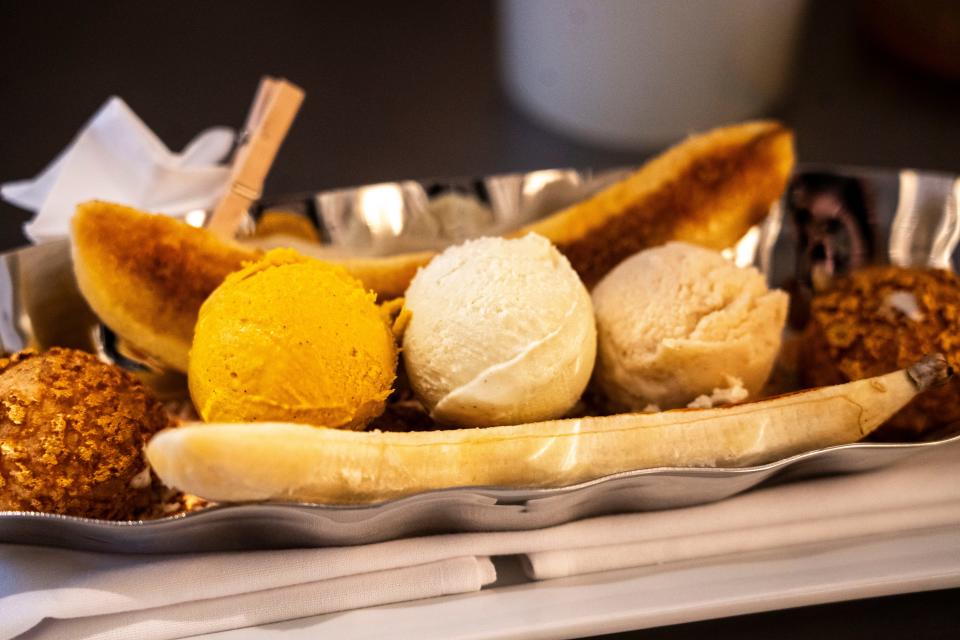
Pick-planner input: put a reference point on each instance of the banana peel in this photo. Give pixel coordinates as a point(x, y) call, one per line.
point(295, 462)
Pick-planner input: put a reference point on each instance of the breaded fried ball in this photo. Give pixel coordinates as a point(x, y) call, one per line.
point(72, 432)
point(880, 319)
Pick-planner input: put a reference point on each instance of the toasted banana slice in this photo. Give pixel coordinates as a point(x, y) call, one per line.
point(277, 461)
point(146, 275)
point(707, 190)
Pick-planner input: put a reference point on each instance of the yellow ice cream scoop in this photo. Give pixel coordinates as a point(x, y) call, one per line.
point(292, 338)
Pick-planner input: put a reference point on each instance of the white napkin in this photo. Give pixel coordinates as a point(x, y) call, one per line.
point(144, 597)
point(197, 610)
point(116, 157)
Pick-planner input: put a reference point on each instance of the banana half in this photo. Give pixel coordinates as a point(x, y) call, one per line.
point(294, 462)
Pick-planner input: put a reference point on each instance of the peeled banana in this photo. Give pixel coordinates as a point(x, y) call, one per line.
point(294, 462)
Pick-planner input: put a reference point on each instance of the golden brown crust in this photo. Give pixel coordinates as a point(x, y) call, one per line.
point(708, 190)
point(145, 274)
point(72, 432)
point(855, 333)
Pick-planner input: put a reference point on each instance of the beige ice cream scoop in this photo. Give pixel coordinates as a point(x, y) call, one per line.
point(500, 332)
point(678, 322)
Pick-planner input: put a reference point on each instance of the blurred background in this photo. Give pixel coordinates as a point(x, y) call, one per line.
point(413, 89)
point(421, 89)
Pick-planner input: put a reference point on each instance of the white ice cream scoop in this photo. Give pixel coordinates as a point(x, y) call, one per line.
point(501, 332)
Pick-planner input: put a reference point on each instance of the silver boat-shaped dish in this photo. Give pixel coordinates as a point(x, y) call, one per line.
point(903, 217)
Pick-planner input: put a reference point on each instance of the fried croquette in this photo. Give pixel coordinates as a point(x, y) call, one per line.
point(72, 432)
point(880, 319)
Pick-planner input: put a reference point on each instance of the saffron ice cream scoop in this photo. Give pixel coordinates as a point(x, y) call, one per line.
point(679, 324)
point(500, 332)
point(292, 339)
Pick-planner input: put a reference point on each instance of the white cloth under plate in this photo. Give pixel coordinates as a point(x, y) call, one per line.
point(116, 157)
point(248, 608)
point(91, 595)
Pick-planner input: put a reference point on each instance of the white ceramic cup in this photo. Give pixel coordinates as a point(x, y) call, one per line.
point(641, 73)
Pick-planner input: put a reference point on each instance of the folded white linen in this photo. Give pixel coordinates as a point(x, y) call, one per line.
point(920, 492)
point(116, 157)
point(561, 563)
point(191, 617)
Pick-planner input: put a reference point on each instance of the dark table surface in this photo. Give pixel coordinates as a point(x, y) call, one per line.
point(410, 89)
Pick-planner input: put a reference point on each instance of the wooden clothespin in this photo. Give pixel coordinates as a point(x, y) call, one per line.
point(271, 114)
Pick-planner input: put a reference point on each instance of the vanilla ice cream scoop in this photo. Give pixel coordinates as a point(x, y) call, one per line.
point(678, 321)
point(501, 332)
